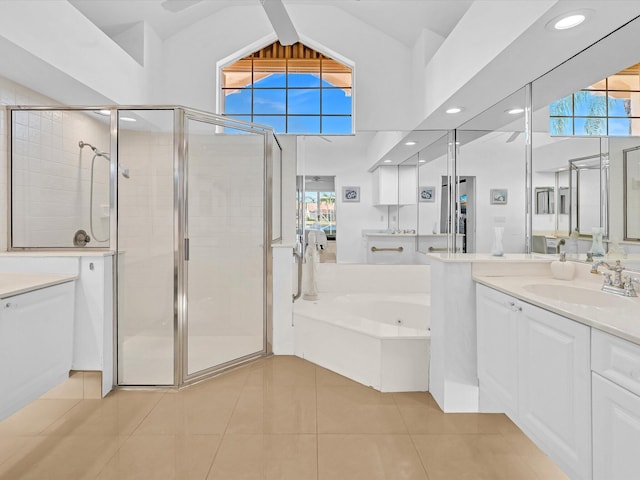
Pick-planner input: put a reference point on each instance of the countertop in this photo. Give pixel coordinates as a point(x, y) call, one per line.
point(486, 257)
point(16, 283)
point(621, 321)
point(98, 252)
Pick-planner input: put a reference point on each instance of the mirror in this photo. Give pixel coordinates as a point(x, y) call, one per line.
point(631, 164)
point(585, 211)
point(545, 200)
point(320, 215)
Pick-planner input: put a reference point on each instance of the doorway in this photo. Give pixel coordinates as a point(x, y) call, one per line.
point(466, 208)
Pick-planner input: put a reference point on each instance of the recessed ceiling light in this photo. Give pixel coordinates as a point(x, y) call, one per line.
point(569, 22)
point(515, 111)
point(387, 161)
point(421, 161)
point(410, 143)
point(128, 119)
point(454, 110)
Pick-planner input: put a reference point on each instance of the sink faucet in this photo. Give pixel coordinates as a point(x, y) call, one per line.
point(617, 285)
point(559, 244)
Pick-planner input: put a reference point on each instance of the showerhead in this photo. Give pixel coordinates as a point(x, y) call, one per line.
point(105, 155)
point(81, 144)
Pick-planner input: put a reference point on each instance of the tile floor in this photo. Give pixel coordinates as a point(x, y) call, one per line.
point(278, 418)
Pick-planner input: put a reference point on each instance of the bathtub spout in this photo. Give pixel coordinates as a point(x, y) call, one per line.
point(309, 272)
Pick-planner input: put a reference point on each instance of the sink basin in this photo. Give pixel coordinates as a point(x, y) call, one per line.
point(578, 295)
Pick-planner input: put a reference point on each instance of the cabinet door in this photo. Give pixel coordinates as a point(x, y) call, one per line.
point(616, 431)
point(554, 388)
point(497, 322)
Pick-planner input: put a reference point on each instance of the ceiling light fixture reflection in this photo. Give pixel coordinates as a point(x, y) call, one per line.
point(454, 110)
point(515, 111)
point(421, 161)
point(128, 119)
point(410, 143)
point(387, 161)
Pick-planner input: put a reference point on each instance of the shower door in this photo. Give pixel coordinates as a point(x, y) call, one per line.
point(225, 256)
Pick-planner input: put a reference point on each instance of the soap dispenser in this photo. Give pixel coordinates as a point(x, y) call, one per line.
point(561, 269)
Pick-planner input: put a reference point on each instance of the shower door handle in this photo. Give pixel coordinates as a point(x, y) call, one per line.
point(186, 249)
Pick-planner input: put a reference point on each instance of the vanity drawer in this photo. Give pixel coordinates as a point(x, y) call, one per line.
point(616, 359)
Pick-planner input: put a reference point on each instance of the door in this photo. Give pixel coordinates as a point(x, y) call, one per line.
point(555, 387)
point(497, 317)
point(616, 431)
point(225, 256)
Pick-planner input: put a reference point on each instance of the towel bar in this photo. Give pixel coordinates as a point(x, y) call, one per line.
point(397, 249)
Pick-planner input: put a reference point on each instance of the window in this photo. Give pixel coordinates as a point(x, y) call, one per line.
point(610, 107)
point(293, 89)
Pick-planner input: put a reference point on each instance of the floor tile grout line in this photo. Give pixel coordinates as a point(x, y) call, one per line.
point(415, 447)
point(145, 417)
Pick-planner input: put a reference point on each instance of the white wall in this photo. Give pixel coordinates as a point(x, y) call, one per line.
point(345, 157)
point(497, 164)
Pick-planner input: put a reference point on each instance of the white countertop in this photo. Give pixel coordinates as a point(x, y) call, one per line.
point(16, 283)
point(98, 252)
point(621, 321)
point(486, 257)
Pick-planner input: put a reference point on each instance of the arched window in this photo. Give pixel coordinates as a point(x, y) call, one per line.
point(293, 88)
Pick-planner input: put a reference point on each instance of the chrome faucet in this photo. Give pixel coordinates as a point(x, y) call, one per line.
point(615, 285)
point(559, 244)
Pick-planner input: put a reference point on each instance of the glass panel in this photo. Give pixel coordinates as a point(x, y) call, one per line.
point(269, 73)
point(562, 107)
point(624, 104)
point(588, 103)
point(59, 187)
point(237, 102)
point(336, 100)
point(590, 126)
point(269, 101)
point(304, 124)
point(304, 72)
point(277, 122)
point(146, 262)
point(339, 125)
point(432, 167)
point(276, 191)
point(304, 101)
point(225, 272)
point(620, 126)
point(560, 126)
point(335, 74)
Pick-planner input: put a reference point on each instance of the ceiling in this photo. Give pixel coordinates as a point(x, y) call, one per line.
point(405, 25)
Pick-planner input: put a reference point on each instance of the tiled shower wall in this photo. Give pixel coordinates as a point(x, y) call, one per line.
point(51, 174)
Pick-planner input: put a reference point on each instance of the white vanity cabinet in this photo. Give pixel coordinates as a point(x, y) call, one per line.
point(36, 343)
point(554, 390)
point(534, 366)
point(616, 408)
point(497, 351)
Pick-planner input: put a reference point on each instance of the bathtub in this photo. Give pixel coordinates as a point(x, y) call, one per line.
point(379, 340)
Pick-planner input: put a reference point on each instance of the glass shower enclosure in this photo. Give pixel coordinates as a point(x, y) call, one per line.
point(185, 200)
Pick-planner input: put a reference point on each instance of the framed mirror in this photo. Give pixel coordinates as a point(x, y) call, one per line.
point(545, 200)
point(631, 195)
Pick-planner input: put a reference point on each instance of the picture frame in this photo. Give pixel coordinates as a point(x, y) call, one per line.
point(499, 196)
point(350, 194)
point(427, 194)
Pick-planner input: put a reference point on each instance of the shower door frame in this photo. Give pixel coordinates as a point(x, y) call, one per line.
point(181, 241)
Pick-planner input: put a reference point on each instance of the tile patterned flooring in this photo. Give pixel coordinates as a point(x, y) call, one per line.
point(281, 418)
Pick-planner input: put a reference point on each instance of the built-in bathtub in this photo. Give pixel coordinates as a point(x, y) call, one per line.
point(378, 338)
